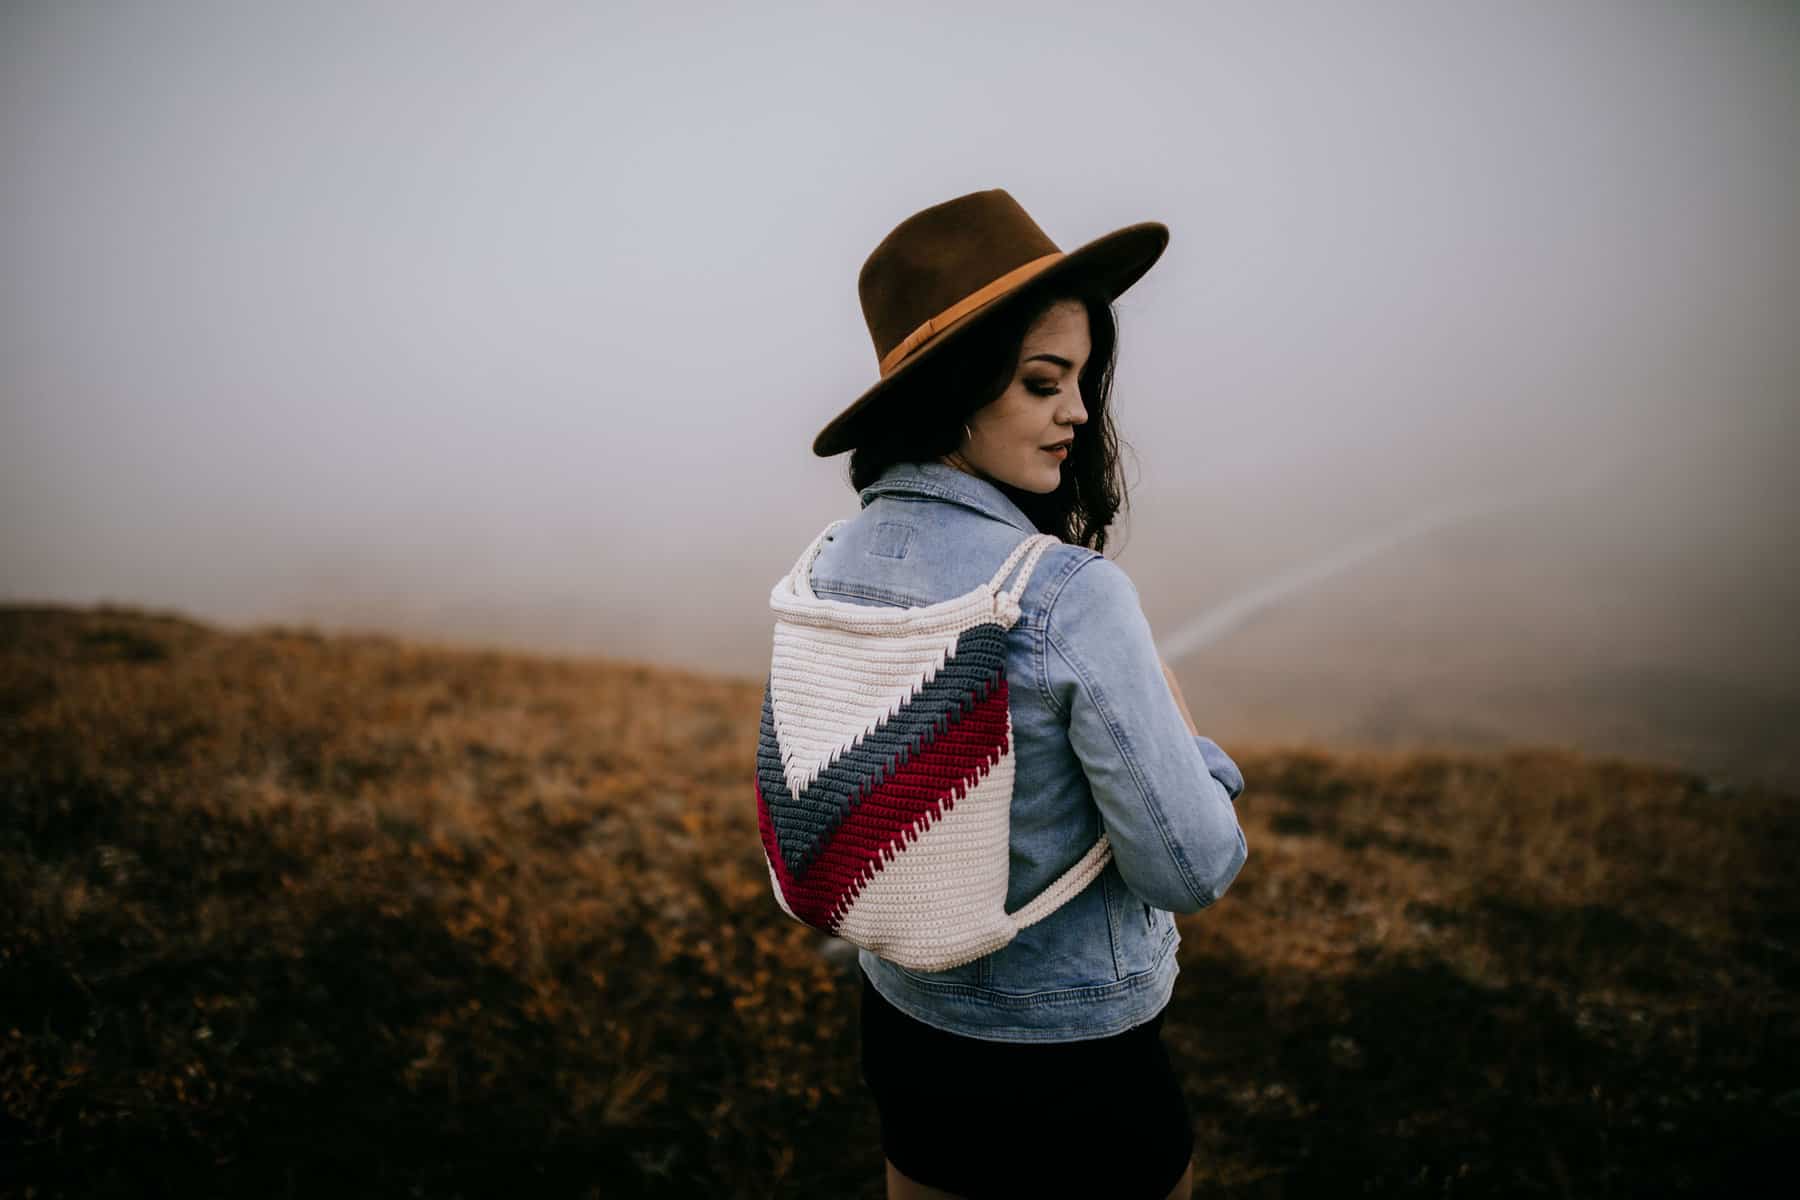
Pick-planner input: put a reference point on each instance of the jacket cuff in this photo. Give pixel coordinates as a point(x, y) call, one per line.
point(1219, 764)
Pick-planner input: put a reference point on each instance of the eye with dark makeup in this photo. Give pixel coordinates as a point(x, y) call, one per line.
point(1041, 387)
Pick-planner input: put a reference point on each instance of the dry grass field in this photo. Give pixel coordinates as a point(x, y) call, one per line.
point(292, 915)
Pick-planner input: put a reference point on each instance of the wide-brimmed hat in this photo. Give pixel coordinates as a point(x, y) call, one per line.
point(946, 268)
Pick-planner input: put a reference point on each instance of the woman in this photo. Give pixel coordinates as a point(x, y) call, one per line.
point(1038, 1068)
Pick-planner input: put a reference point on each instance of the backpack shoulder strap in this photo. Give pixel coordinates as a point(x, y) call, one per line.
point(1030, 550)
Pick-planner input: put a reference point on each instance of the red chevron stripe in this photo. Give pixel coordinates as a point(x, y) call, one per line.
point(894, 814)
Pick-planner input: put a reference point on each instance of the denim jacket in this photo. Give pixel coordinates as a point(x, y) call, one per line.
point(1099, 746)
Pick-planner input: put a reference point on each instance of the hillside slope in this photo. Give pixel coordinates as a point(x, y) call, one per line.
point(291, 912)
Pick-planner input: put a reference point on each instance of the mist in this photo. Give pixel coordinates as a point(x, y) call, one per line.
point(1459, 408)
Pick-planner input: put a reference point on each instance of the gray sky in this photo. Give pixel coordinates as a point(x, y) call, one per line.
point(516, 322)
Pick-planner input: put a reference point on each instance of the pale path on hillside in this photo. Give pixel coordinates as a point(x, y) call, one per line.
point(1219, 620)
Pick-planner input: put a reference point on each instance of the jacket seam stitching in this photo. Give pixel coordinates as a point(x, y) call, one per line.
point(866, 591)
point(1112, 931)
point(931, 491)
point(1054, 593)
point(1075, 994)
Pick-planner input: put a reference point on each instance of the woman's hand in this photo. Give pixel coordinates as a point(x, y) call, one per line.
point(1180, 700)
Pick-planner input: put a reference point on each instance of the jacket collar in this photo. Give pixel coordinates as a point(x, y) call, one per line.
point(944, 482)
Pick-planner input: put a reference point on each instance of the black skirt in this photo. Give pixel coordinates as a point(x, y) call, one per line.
point(1103, 1117)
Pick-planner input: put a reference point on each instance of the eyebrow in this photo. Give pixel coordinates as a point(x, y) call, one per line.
point(1055, 358)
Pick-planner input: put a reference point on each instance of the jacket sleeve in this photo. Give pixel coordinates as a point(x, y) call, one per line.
point(1164, 793)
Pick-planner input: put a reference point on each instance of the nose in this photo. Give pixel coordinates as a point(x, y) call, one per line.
point(1074, 414)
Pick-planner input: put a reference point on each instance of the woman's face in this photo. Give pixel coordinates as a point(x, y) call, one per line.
point(1040, 407)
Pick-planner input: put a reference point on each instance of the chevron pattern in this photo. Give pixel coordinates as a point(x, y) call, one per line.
point(858, 771)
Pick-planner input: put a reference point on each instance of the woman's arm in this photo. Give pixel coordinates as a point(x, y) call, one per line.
point(1164, 791)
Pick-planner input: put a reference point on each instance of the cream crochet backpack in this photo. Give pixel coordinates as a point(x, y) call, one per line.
point(884, 770)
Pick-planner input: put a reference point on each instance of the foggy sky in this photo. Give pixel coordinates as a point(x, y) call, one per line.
point(516, 322)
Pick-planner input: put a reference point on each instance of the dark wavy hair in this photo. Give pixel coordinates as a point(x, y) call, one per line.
point(948, 387)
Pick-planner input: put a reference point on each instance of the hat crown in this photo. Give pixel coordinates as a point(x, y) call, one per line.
point(942, 255)
point(950, 268)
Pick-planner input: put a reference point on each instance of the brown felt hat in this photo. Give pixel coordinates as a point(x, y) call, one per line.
point(944, 269)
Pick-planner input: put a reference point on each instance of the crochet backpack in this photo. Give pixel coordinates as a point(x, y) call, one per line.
point(884, 770)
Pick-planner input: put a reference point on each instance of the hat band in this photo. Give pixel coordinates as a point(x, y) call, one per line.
point(967, 304)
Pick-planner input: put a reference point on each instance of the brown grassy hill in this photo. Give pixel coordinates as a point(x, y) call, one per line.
point(290, 914)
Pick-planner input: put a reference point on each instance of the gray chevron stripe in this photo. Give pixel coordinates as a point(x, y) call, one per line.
point(805, 822)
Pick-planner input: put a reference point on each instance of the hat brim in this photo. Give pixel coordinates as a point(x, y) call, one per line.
point(1114, 261)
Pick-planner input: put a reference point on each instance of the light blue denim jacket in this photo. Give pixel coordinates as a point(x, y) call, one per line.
point(1098, 743)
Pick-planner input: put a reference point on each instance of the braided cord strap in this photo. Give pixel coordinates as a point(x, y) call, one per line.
point(1064, 887)
point(1034, 545)
point(1006, 604)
